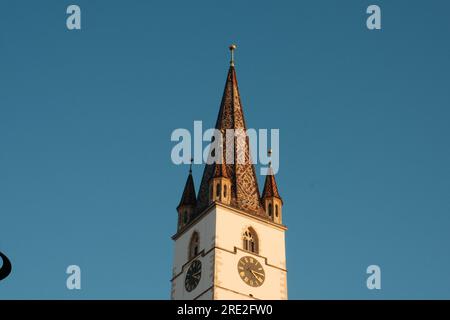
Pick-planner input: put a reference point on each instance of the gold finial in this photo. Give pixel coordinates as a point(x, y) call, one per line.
point(190, 166)
point(232, 48)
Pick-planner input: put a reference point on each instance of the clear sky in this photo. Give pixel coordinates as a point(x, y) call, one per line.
point(86, 176)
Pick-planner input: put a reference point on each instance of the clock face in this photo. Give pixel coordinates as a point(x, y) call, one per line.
point(251, 271)
point(193, 275)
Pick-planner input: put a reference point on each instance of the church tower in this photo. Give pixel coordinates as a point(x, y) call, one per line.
point(230, 240)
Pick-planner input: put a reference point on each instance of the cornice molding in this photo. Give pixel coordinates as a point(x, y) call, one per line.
point(234, 210)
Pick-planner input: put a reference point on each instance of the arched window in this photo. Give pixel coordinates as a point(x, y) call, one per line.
point(270, 209)
point(185, 217)
point(276, 210)
point(225, 191)
point(194, 245)
point(250, 240)
point(218, 190)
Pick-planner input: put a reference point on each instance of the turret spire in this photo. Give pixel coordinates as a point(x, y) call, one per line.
point(270, 185)
point(270, 198)
point(188, 201)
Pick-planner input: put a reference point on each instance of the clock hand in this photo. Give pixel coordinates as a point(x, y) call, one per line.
point(256, 272)
point(253, 272)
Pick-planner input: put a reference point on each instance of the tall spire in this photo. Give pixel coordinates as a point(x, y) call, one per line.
point(244, 186)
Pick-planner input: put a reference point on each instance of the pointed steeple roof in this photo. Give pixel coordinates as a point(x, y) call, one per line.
point(188, 198)
point(270, 186)
point(244, 186)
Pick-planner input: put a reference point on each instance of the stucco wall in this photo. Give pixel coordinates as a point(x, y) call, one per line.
point(221, 231)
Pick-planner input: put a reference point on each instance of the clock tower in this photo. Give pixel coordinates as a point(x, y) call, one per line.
point(230, 239)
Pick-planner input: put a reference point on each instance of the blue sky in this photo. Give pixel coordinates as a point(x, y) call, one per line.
point(86, 116)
